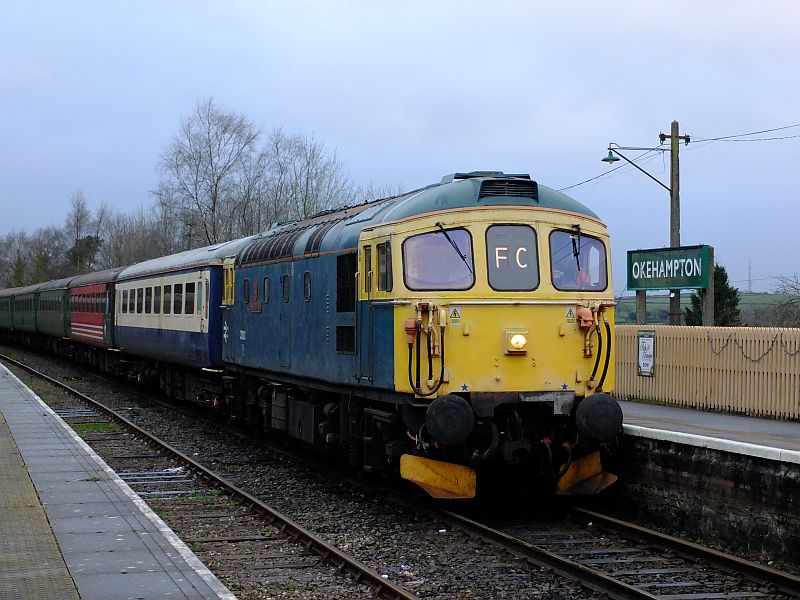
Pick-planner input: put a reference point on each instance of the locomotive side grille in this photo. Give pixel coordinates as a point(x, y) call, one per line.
point(509, 187)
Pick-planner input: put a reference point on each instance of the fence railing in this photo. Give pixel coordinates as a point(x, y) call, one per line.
point(750, 370)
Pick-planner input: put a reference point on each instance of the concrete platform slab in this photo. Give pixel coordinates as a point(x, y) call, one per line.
point(762, 438)
point(95, 539)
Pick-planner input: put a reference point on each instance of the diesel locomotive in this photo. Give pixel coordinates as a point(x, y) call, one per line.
point(453, 335)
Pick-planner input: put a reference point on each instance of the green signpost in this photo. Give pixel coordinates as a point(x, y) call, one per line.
point(683, 267)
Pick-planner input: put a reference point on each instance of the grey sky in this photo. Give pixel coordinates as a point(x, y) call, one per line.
point(92, 92)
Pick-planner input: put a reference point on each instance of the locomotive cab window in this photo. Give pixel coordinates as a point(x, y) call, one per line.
point(577, 262)
point(440, 260)
point(367, 269)
point(511, 258)
point(385, 267)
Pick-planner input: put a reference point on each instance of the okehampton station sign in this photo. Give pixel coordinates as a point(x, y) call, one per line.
point(684, 267)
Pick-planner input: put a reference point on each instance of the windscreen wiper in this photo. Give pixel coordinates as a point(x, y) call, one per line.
point(576, 247)
point(455, 247)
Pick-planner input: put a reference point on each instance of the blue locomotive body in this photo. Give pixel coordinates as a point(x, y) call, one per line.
point(296, 313)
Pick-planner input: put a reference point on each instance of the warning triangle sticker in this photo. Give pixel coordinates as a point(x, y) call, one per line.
point(455, 313)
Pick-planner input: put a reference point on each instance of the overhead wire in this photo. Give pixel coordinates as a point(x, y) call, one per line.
point(698, 142)
point(728, 137)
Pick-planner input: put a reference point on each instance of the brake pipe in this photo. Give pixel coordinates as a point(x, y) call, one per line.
point(599, 349)
point(430, 342)
point(417, 389)
point(608, 354)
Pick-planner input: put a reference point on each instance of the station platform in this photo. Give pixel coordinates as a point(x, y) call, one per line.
point(762, 438)
point(70, 528)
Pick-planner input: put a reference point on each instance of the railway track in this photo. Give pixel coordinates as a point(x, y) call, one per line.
point(625, 561)
point(232, 530)
point(609, 557)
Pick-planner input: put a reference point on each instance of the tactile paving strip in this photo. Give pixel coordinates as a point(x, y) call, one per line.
point(31, 565)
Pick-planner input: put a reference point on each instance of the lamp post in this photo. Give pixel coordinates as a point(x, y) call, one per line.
point(674, 206)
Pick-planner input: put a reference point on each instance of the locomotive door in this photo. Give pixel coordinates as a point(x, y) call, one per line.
point(364, 330)
point(284, 329)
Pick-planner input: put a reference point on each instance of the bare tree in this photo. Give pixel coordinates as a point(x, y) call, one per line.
point(787, 311)
point(79, 217)
point(83, 231)
point(203, 167)
point(130, 238)
point(15, 259)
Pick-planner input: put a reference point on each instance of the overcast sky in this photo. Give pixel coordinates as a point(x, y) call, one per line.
point(406, 92)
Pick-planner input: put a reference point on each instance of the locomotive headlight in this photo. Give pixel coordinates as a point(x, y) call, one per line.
point(516, 341)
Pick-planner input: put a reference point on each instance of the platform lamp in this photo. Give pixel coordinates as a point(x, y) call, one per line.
point(614, 155)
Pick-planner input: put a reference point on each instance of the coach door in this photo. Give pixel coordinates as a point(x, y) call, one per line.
point(228, 292)
point(202, 299)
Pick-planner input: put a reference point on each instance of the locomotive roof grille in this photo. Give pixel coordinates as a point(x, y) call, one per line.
point(509, 187)
point(278, 245)
point(315, 239)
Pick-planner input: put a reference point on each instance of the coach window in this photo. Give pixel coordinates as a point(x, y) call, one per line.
point(440, 260)
point(148, 300)
point(246, 291)
point(188, 299)
point(577, 261)
point(124, 301)
point(139, 300)
point(385, 267)
point(157, 300)
point(167, 299)
point(511, 258)
point(265, 299)
point(177, 299)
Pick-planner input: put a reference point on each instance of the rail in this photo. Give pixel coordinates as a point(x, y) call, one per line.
point(332, 555)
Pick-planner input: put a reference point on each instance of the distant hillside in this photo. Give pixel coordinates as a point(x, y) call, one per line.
point(755, 308)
